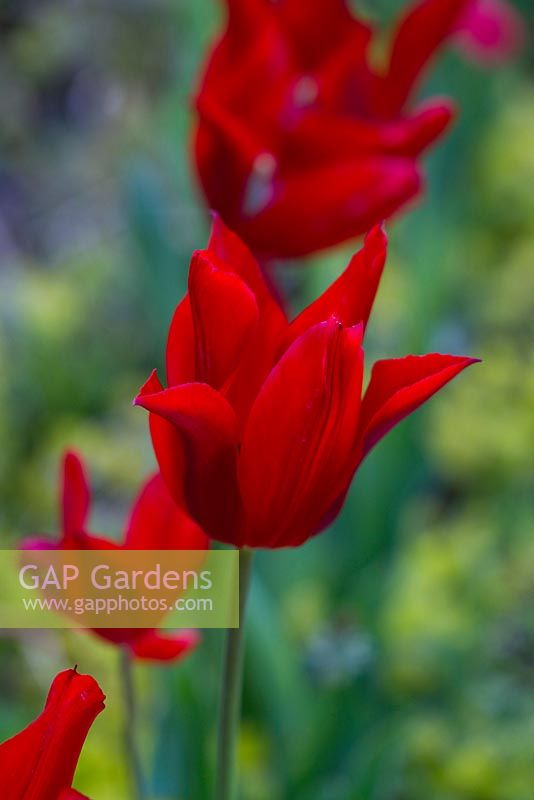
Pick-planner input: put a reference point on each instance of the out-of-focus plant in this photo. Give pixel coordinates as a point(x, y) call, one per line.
point(303, 140)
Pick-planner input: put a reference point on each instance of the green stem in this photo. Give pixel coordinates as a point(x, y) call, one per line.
point(130, 721)
point(232, 682)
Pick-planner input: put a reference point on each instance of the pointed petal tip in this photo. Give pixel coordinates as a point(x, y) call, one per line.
point(151, 386)
point(356, 334)
point(437, 106)
point(377, 234)
point(441, 114)
point(470, 360)
point(204, 258)
point(69, 454)
point(466, 361)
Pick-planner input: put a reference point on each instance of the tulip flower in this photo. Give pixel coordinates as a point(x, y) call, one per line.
point(39, 762)
point(264, 423)
point(302, 142)
point(155, 523)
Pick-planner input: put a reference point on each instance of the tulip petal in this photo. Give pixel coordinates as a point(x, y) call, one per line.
point(75, 495)
point(257, 361)
point(79, 541)
point(72, 794)
point(320, 207)
point(180, 351)
point(264, 344)
point(75, 508)
point(196, 448)
point(298, 444)
point(350, 298)
point(154, 645)
point(225, 314)
point(398, 387)
point(241, 139)
point(224, 246)
point(39, 762)
point(317, 28)
point(228, 247)
point(254, 39)
point(168, 446)
point(322, 136)
point(157, 523)
point(423, 29)
point(224, 157)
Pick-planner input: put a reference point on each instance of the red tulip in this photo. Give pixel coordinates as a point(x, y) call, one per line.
point(39, 762)
point(155, 523)
point(263, 424)
point(302, 142)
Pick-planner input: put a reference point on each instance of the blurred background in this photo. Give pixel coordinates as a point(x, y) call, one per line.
point(393, 657)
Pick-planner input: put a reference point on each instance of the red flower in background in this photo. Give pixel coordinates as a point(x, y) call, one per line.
point(39, 762)
point(489, 30)
point(155, 523)
point(301, 142)
point(263, 424)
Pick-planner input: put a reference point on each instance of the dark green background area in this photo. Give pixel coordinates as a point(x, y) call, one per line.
point(393, 657)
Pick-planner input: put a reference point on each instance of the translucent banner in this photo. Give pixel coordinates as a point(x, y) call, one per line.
point(119, 589)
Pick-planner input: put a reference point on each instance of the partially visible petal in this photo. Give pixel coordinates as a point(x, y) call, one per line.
point(238, 117)
point(75, 541)
point(254, 40)
point(168, 446)
point(321, 136)
point(227, 246)
point(39, 543)
point(350, 298)
point(426, 25)
point(39, 763)
point(72, 794)
point(196, 448)
point(317, 28)
point(224, 247)
point(239, 138)
point(157, 523)
point(298, 444)
point(263, 344)
point(321, 207)
point(243, 16)
point(224, 157)
point(257, 361)
point(75, 494)
point(398, 387)
point(490, 31)
point(194, 408)
point(180, 353)
point(225, 314)
point(155, 645)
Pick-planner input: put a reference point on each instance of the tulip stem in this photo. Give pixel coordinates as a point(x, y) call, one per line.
point(232, 682)
point(131, 750)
